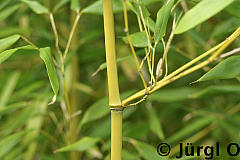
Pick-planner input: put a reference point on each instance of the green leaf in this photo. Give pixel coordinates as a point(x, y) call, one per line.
point(234, 8)
point(18, 121)
point(200, 13)
point(4, 4)
point(60, 4)
point(12, 107)
point(147, 151)
point(45, 54)
point(134, 6)
point(225, 28)
point(75, 5)
point(162, 21)
point(7, 12)
point(82, 145)
point(190, 129)
point(9, 41)
point(96, 111)
point(6, 54)
point(216, 90)
point(154, 123)
point(227, 69)
point(172, 95)
point(7, 143)
point(96, 7)
point(138, 39)
point(129, 155)
point(36, 7)
point(99, 109)
point(8, 89)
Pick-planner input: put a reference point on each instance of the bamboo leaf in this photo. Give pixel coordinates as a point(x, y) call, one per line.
point(96, 111)
point(7, 143)
point(162, 21)
point(154, 123)
point(129, 155)
point(82, 145)
point(147, 151)
point(8, 11)
point(36, 7)
point(216, 90)
point(172, 95)
point(8, 89)
point(8, 42)
point(227, 69)
point(12, 107)
point(45, 54)
point(96, 7)
point(135, 7)
point(200, 13)
point(99, 109)
point(6, 54)
point(61, 4)
point(234, 8)
point(4, 3)
point(190, 129)
point(75, 5)
point(138, 39)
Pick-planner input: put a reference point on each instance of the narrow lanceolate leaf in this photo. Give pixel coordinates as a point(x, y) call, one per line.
point(60, 4)
point(36, 6)
point(8, 89)
point(216, 90)
point(45, 54)
point(81, 145)
point(12, 107)
point(8, 11)
point(75, 5)
point(162, 20)
point(138, 39)
point(200, 13)
point(7, 143)
point(6, 54)
point(147, 151)
point(227, 69)
point(7, 42)
point(190, 129)
point(135, 7)
point(100, 106)
point(155, 124)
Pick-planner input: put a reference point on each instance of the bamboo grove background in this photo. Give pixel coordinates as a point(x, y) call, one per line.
point(53, 80)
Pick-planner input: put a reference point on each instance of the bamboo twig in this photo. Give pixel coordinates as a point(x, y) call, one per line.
point(71, 34)
point(177, 74)
point(131, 45)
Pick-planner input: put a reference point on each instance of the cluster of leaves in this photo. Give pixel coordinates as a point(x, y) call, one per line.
point(32, 129)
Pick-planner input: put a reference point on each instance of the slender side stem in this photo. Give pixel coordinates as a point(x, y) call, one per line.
point(114, 96)
point(177, 74)
point(131, 46)
point(66, 97)
point(71, 34)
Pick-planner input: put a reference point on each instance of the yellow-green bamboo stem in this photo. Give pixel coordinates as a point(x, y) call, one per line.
point(116, 135)
point(114, 98)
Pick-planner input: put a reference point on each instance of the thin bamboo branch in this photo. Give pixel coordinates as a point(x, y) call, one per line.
point(176, 74)
point(131, 45)
point(71, 34)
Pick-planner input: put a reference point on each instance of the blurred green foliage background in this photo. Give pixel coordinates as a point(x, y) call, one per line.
point(30, 129)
